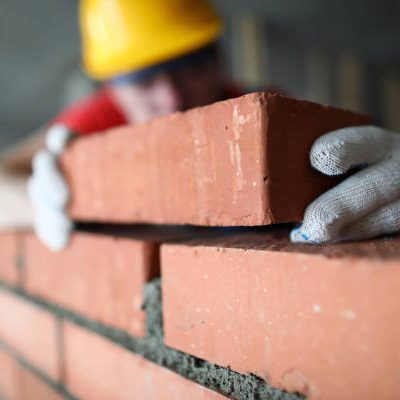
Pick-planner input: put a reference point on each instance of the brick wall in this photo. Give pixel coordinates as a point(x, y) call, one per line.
point(76, 346)
point(179, 312)
point(243, 316)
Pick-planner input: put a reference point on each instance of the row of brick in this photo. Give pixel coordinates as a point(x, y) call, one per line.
point(242, 161)
point(318, 320)
point(98, 276)
point(19, 383)
point(88, 365)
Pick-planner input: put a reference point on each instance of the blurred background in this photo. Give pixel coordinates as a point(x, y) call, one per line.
point(342, 53)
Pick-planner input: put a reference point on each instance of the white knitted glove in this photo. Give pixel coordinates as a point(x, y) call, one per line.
point(49, 193)
point(365, 205)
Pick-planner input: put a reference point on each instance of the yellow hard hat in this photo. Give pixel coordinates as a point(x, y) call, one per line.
point(121, 36)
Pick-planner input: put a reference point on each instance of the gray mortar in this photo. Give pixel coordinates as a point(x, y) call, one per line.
point(220, 379)
point(223, 380)
point(152, 306)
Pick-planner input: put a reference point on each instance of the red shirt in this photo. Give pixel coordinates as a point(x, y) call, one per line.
point(95, 113)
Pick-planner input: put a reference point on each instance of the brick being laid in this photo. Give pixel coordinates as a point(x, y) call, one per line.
point(242, 161)
point(319, 320)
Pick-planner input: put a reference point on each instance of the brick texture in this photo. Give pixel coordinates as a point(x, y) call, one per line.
point(32, 387)
point(18, 383)
point(98, 276)
point(9, 242)
point(98, 369)
point(238, 162)
point(320, 320)
point(30, 331)
point(8, 376)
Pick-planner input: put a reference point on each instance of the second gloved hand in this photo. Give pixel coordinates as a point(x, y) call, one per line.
point(365, 205)
point(49, 193)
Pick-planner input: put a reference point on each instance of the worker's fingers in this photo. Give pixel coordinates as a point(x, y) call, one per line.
point(338, 151)
point(53, 228)
point(351, 200)
point(385, 220)
point(47, 186)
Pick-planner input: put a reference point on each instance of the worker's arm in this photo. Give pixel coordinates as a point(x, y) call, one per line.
point(365, 205)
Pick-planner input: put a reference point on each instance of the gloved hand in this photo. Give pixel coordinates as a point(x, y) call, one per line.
point(366, 204)
point(49, 193)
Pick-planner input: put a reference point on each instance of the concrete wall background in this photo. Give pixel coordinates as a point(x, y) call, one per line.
point(39, 53)
point(341, 53)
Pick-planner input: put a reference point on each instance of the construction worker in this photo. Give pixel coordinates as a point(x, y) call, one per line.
point(159, 57)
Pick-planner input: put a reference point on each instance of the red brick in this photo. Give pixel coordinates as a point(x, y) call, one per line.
point(8, 376)
point(98, 369)
point(30, 331)
point(323, 320)
point(238, 162)
point(18, 383)
point(98, 276)
point(32, 387)
point(9, 251)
